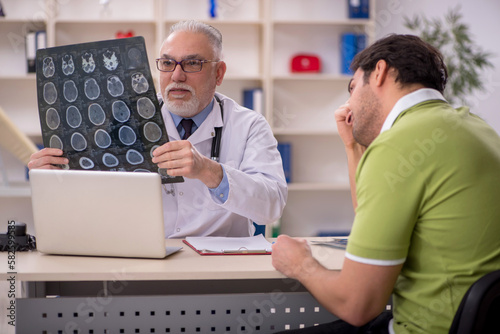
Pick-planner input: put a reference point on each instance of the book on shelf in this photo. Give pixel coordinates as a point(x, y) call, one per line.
point(358, 9)
point(2, 12)
point(35, 40)
point(285, 150)
point(253, 99)
point(351, 44)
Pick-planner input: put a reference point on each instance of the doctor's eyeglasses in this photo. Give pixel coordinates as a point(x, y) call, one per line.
point(187, 65)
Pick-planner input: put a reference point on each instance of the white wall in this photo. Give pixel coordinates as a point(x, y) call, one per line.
point(482, 17)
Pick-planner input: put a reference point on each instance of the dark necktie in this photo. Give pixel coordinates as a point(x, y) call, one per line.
point(187, 124)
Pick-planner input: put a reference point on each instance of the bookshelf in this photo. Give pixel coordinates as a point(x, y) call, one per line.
point(260, 38)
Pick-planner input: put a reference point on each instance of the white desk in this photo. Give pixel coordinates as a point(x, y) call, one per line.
point(221, 294)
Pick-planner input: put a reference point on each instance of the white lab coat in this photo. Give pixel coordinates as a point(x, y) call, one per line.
point(257, 186)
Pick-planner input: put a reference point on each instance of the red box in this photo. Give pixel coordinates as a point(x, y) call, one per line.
point(305, 63)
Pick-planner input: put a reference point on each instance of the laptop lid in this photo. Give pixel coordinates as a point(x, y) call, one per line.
point(98, 213)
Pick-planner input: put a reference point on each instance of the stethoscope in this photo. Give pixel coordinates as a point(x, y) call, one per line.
point(215, 152)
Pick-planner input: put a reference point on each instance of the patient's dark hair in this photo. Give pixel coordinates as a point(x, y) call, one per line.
point(414, 60)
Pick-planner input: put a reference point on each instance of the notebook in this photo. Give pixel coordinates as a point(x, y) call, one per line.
point(98, 213)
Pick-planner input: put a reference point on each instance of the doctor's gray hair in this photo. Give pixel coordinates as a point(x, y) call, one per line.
point(214, 36)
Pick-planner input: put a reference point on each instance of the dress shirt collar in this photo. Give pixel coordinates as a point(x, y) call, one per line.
point(408, 101)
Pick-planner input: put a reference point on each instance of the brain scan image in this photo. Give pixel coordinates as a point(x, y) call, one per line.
point(120, 111)
point(73, 117)
point(133, 157)
point(145, 108)
point(55, 142)
point(48, 67)
point(110, 60)
point(88, 63)
point(109, 160)
point(68, 66)
point(52, 119)
point(97, 103)
point(127, 135)
point(91, 89)
point(96, 114)
point(78, 142)
point(142, 170)
point(115, 86)
point(102, 138)
point(152, 149)
point(86, 163)
point(134, 57)
point(49, 93)
point(139, 83)
point(70, 91)
point(152, 132)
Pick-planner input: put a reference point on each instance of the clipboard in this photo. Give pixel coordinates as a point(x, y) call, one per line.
point(255, 245)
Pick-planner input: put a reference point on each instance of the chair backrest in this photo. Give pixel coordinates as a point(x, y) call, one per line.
point(479, 311)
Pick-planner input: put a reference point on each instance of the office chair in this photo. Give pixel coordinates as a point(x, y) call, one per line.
point(479, 311)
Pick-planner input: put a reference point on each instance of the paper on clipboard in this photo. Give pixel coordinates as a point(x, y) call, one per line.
point(256, 245)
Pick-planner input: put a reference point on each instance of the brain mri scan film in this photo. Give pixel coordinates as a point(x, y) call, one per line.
point(91, 88)
point(97, 102)
point(48, 67)
point(68, 66)
point(88, 63)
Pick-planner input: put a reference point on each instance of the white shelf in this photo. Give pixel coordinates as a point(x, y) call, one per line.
point(345, 22)
point(304, 132)
point(105, 21)
point(219, 22)
point(312, 76)
point(28, 77)
point(15, 20)
point(238, 77)
point(17, 190)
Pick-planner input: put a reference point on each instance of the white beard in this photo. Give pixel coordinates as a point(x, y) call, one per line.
point(182, 108)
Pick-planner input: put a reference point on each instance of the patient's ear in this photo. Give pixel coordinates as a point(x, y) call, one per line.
point(381, 72)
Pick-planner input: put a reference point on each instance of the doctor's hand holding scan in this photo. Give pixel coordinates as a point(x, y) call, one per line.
point(227, 154)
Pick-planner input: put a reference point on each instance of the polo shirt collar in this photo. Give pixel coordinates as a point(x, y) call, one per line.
point(408, 101)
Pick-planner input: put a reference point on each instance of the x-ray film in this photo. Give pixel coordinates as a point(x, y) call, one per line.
point(97, 102)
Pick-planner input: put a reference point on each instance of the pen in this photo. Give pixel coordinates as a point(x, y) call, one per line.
point(244, 251)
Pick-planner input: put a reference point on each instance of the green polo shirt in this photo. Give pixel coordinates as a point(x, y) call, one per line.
point(427, 192)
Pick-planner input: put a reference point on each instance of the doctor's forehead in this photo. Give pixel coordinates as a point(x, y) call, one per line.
point(186, 43)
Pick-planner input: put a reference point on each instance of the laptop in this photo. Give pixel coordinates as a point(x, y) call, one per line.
point(99, 213)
